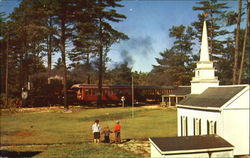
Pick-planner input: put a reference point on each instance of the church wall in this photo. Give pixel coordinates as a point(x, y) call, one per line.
point(154, 153)
point(198, 88)
point(236, 129)
point(206, 74)
point(203, 115)
point(240, 101)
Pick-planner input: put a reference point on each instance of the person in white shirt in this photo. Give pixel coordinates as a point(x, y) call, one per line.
point(96, 131)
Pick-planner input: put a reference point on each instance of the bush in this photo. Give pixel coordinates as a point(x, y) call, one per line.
point(12, 102)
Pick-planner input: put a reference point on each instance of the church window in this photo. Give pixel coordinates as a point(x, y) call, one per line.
point(184, 126)
point(197, 126)
point(211, 127)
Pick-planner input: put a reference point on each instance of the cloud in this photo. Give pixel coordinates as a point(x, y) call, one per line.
point(136, 48)
point(142, 44)
point(126, 56)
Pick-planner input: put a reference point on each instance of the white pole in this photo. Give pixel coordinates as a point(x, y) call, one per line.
point(132, 99)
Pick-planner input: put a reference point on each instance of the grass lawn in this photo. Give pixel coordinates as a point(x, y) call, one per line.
point(74, 129)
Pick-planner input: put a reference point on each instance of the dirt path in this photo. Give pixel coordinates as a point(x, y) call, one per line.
point(140, 147)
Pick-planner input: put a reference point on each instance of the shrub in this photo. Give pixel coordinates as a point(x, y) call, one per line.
point(12, 102)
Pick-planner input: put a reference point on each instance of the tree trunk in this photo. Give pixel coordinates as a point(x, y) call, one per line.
point(236, 53)
point(211, 39)
point(88, 66)
point(244, 46)
point(63, 53)
point(7, 69)
point(100, 77)
point(49, 47)
point(100, 65)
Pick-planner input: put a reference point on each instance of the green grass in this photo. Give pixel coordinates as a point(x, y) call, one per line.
point(75, 128)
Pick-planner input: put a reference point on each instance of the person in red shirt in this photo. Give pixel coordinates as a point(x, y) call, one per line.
point(117, 131)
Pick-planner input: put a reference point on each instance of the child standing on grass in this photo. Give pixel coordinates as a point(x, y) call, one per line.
point(117, 130)
point(96, 131)
point(106, 132)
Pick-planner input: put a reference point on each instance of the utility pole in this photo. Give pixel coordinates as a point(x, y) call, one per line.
point(132, 98)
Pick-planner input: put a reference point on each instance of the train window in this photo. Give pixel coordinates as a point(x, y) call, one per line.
point(104, 92)
point(129, 92)
point(109, 91)
point(116, 91)
point(93, 91)
point(86, 92)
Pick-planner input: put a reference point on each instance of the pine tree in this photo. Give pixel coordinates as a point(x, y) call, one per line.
point(214, 10)
point(25, 37)
point(244, 48)
point(218, 40)
point(121, 74)
point(176, 64)
point(236, 53)
point(94, 33)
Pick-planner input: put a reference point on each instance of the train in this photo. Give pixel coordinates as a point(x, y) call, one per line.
point(88, 93)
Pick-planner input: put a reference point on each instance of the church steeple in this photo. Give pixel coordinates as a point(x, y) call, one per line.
point(204, 72)
point(204, 56)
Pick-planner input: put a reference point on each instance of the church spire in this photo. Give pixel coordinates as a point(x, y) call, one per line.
point(204, 72)
point(204, 55)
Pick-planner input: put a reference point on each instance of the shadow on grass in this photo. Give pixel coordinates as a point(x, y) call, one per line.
point(110, 116)
point(6, 153)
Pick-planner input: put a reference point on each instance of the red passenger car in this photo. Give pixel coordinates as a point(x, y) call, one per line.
point(112, 93)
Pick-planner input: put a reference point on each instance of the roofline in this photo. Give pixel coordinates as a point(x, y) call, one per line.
point(198, 108)
point(155, 145)
point(197, 150)
point(178, 95)
point(175, 95)
point(190, 151)
point(237, 85)
point(235, 97)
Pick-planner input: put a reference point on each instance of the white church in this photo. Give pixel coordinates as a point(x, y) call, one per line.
point(213, 121)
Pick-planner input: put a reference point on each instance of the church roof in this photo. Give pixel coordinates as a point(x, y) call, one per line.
point(181, 91)
point(214, 97)
point(185, 144)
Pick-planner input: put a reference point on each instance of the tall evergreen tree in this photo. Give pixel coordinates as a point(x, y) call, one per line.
point(94, 33)
point(4, 43)
point(213, 9)
point(217, 40)
point(236, 53)
point(245, 49)
point(176, 64)
point(26, 37)
point(63, 12)
point(121, 74)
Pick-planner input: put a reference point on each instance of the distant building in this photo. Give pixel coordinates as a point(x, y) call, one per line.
point(175, 96)
point(56, 77)
point(213, 121)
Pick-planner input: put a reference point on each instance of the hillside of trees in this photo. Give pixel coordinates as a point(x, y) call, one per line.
point(80, 31)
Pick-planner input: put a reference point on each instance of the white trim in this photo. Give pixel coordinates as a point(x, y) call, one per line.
point(238, 85)
point(198, 107)
point(230, 101)
point(196, 150)
point(189, 151)
point(155, 145)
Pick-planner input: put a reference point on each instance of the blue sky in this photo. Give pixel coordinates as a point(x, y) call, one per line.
point(147, 25)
